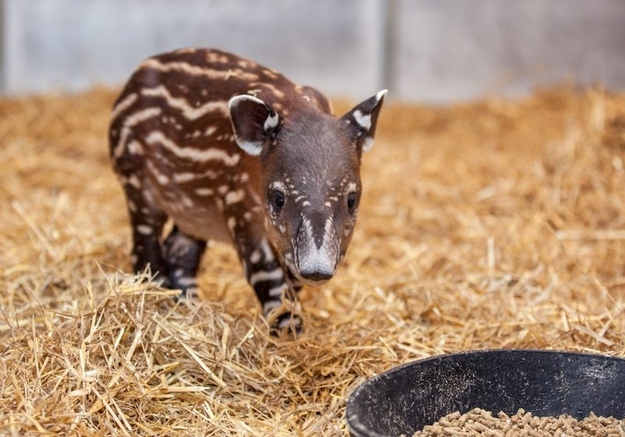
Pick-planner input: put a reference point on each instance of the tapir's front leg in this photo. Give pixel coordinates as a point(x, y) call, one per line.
point(274, 286)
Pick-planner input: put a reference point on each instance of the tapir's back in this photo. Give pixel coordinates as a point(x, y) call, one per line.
point(186, 92)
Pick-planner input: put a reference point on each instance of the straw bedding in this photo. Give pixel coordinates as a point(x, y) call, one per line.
point(495, 224)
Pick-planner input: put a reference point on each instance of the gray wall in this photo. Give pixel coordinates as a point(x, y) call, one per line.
point(459, 48)
point(423, 50)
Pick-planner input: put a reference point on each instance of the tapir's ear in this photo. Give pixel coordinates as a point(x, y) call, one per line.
point(363, 119)
point(253, 122)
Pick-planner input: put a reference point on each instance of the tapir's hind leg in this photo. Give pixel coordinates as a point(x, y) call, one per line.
point(182, 255)
point(147, 226)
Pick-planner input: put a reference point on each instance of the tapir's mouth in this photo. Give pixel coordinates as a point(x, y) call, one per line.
point(311, 280)
point(314, 269)
point(314, 281)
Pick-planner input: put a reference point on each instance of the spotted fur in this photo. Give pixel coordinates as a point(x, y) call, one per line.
point(230, 150)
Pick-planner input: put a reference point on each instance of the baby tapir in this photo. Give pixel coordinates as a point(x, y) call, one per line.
point(234, 151)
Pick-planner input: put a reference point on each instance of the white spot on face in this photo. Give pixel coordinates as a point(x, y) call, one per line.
point(210, 131)
point(278, 185)
point(328, 231)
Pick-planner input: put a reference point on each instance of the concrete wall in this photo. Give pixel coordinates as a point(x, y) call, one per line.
point(463, 49)
point(423, 50)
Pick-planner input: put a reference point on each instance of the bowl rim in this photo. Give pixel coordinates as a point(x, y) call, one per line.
point(358, 429)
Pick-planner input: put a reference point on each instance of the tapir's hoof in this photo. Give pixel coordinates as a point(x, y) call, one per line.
point(289, 322)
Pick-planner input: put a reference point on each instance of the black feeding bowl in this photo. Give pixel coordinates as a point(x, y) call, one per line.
point(545, 383)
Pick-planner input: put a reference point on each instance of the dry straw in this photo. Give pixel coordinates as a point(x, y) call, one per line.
point(493, 224)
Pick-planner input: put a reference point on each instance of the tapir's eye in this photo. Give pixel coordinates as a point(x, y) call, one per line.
point(351, 201)
point(277, 199)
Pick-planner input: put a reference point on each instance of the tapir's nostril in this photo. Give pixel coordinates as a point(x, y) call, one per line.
point(316, 275)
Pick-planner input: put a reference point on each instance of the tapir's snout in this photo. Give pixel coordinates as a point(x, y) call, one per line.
point(316, 250)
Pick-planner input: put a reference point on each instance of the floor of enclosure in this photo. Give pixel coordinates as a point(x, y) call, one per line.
point(493, 224)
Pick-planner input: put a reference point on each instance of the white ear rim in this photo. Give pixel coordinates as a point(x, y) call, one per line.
point(249, 147)
point(234, 101)
point(253, 148)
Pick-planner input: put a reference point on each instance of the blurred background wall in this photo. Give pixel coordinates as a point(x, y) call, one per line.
point(431, 51)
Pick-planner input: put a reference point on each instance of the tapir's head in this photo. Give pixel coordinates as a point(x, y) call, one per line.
point(311, 178)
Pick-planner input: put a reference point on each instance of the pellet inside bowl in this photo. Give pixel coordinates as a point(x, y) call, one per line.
point(546, 383)
point(521, 424)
